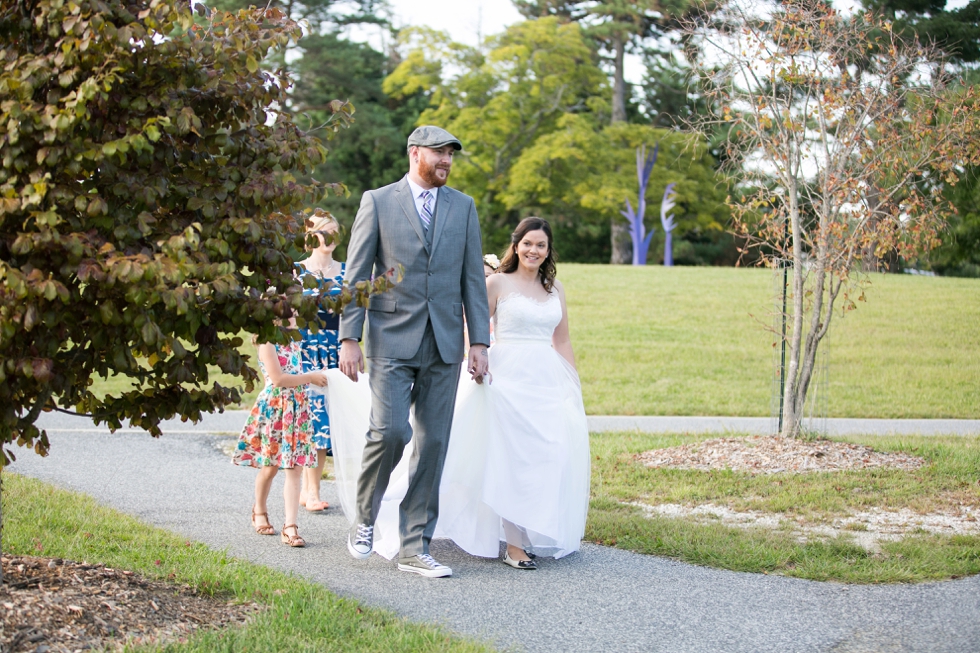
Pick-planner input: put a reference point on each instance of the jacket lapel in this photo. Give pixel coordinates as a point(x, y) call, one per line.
point(443, 206)
point(407, 203)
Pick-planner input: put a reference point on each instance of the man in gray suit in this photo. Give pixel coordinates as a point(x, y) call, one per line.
point(414, 336)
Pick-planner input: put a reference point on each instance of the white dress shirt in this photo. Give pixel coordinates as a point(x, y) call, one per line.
point(417, 196)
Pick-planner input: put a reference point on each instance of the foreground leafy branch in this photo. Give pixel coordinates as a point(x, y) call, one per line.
point(150, 193)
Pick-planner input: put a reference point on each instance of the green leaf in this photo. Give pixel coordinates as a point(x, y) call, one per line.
point(47, 218)
point(149, 333)
point(251, 64)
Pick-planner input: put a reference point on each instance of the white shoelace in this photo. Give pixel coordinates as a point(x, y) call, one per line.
point(364, 534)
point(430, 561)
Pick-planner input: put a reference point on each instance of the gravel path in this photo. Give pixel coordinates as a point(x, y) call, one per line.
point(597, 600)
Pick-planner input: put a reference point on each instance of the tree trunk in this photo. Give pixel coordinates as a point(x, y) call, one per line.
point(812, 341)
point(791, 411)
point(622, 244)
point(619, 84)
point(869, 260)
point(668, 248)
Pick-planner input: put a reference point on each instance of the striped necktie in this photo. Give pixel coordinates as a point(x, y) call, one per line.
point(426, 213)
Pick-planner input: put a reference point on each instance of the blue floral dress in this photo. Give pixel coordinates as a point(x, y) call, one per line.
point(321, 351)
point(279, 429)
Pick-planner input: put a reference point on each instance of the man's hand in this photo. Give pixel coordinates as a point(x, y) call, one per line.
point(351, 361)
point(478, 363)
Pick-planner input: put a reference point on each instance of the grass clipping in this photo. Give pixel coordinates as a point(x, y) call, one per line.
point(774, 455)
point(57, 605)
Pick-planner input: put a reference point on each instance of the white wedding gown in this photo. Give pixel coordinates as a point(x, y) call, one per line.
point(519, 448)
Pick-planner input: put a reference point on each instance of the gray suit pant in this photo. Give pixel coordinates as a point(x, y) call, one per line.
point(430, 384)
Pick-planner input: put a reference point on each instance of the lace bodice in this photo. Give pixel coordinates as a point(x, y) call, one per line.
point(518, 317)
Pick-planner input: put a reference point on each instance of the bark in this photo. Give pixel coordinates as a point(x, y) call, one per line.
point(619, 84)
point(791, 411)
point(622, 243)
point(813, 338)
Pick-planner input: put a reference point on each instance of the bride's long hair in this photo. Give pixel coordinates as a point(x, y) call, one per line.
point(548, 270)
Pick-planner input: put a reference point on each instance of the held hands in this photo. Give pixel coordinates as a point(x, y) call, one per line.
point(478, 364)
point(351, 360)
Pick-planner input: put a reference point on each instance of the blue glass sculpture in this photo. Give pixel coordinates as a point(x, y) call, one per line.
point(638, 231)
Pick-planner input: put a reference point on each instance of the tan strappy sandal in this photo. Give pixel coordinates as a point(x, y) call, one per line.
point(292, 540)
point(264, 529)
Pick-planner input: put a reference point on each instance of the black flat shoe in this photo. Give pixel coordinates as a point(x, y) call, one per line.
point(530, 565)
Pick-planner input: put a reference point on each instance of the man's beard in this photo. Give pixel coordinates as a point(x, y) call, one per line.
point(428, 174)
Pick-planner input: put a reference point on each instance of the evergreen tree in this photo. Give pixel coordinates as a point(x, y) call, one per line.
point(955, 32)
point(373, 153)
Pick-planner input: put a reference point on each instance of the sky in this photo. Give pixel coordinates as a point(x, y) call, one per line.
point(465, 20)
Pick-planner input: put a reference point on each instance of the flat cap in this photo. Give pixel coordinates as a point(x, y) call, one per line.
point(431, 136)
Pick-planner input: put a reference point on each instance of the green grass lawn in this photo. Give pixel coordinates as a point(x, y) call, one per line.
point(947, 480)
point(694, 341)
point(40, 519)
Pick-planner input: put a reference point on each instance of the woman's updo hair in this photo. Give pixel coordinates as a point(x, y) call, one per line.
point(548, 270)
point(320, 220)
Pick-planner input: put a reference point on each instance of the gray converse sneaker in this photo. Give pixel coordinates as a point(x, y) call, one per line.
point(425, 565)
point(360, 541)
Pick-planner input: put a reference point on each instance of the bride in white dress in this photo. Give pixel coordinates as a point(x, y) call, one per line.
point(518, 463)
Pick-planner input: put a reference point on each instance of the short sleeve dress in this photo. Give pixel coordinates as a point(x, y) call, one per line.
point(321, 351)
point(279, 430)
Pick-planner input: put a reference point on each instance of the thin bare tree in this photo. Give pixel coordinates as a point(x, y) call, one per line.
point(840, 136)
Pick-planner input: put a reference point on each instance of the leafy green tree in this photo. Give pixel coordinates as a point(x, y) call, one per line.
point(587, 170)
point(535, 73)
point(147, 193)
point(619, 25)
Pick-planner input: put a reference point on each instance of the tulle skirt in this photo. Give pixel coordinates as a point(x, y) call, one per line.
point(519, 451)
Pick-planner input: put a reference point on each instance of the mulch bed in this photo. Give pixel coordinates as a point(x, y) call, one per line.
point(773, 455)
point(51, 605)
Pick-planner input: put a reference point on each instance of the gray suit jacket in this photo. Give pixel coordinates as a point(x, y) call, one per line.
point(439, 280)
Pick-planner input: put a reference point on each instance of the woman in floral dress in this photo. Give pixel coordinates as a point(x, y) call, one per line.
point(278, 435)
point(320, 348)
